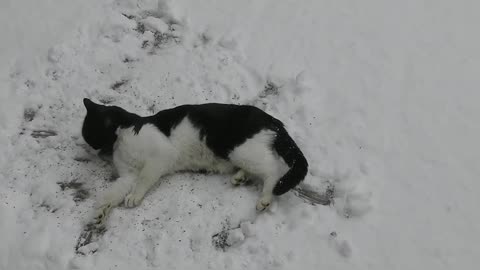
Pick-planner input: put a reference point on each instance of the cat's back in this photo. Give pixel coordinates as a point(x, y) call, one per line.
point(226, 126)
point(229, 115)
point(215, 117)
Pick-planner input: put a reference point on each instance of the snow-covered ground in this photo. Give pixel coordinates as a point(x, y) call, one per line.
point(380, 95)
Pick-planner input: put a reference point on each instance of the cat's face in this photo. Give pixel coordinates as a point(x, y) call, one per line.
point(98, 128)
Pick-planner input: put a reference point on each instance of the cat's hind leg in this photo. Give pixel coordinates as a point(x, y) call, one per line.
point(256, 157)
point(239, 178)
point(267, 194)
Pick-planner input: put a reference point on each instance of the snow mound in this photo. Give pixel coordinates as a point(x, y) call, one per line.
point(155, 24)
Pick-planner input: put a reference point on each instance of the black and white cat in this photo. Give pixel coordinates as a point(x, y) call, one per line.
point(222, 138)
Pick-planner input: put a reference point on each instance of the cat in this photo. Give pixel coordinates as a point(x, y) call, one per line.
point(220, 138)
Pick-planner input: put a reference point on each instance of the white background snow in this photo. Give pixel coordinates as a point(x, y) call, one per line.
point(382, 96)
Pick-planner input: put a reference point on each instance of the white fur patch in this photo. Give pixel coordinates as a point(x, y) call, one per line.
point(145, 157)
point(256, 156)
point(193, 152)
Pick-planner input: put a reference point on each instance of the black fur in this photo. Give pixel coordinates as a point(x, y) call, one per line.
point(222, 126)
point(291, 154)
point(101, 122)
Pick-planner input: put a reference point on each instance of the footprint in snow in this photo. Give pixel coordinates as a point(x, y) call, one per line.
point(342, 246)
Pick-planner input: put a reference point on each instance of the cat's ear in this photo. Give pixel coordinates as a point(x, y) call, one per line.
point(89, 105)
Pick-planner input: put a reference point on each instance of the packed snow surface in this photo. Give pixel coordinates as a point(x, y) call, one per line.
point(381, 96)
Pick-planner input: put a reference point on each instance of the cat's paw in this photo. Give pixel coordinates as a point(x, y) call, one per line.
point(133, 199)
point(101, 214)
point(263, 203)
point(239, 178)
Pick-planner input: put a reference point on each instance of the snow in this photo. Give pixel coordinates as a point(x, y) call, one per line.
point(155, 24)
point(381, 96)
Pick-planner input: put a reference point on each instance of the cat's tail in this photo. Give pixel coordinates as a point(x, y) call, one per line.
point(289, 151)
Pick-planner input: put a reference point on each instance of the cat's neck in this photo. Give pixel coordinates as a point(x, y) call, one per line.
point(126, 119)
point(121, 120)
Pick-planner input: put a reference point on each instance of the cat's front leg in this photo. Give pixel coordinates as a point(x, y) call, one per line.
point(147, 177)
point(111, 198)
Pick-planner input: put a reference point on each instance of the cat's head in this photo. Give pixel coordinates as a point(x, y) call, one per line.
point(100, 125)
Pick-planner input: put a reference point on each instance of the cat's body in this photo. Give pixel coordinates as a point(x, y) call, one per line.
point(218, 138)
